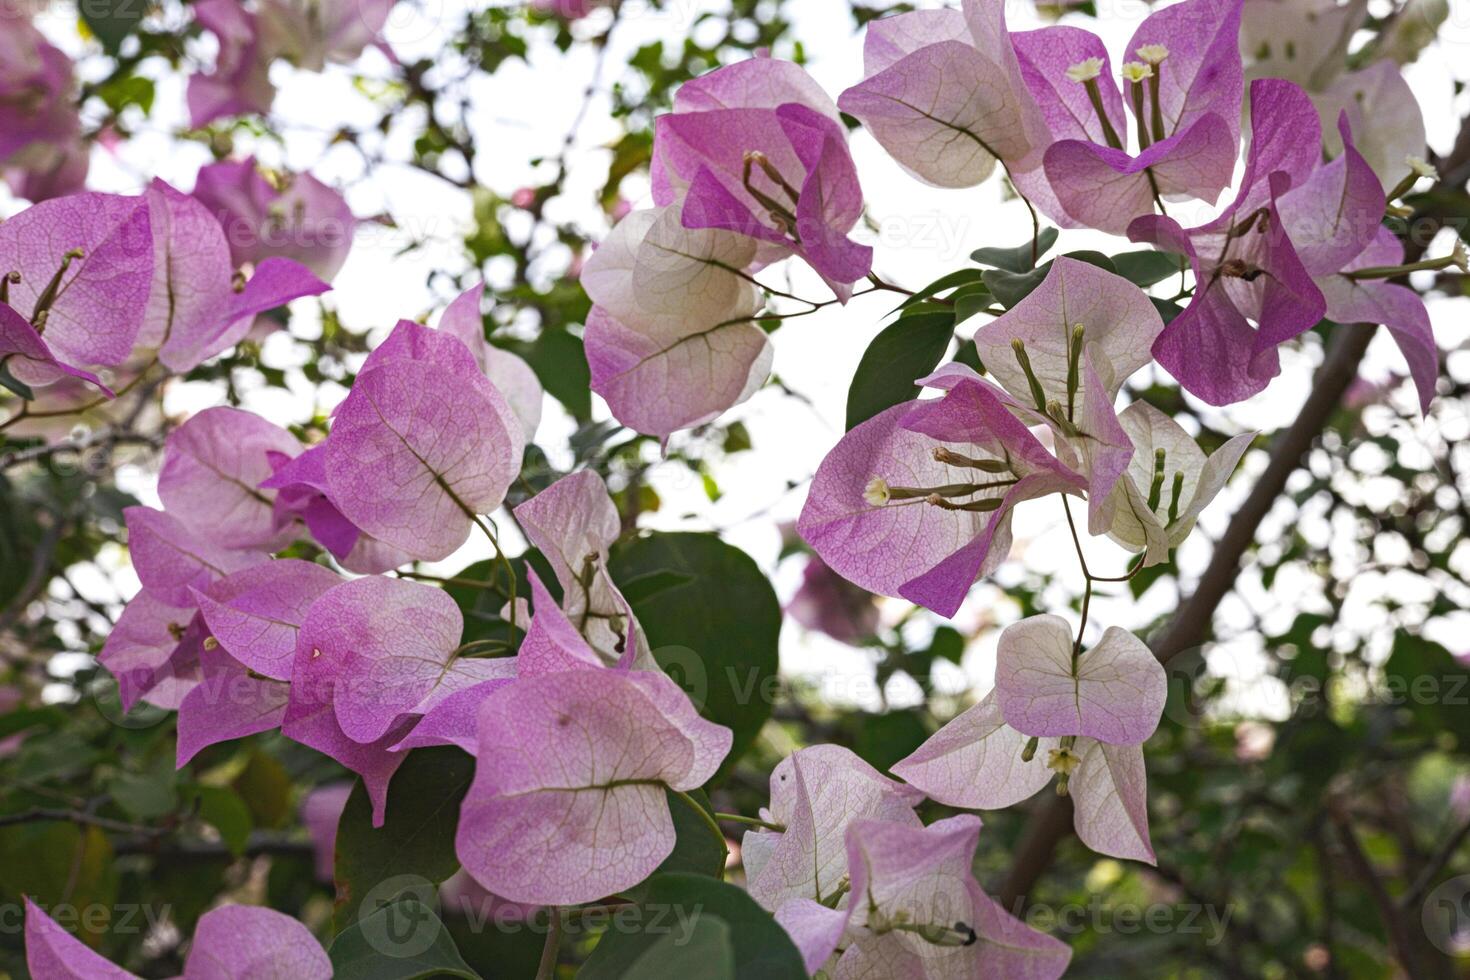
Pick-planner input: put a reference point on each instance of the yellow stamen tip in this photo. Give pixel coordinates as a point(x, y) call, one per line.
point(1085, 70)
point(876, 493)
point(1154, 54)
point(1136, 71)
point(1421, 168)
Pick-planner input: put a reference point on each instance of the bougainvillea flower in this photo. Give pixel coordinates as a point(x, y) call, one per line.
point(1155, 506)
point(1244, 263)
point(573, 523)
point(393, 648)
point(197, 308)
point(422, 444)
point(26, 355)
point(916, 502)
point(52, 953)
point(815, 793)
point(301, 494)
point(671, 340)
point(758, 148)
point(916, 910)
point(272, 213)
point(1384, 115)
point(510, 374)
point(213, 465)
point(1113, 692)
point(40, 150)
point(321, 811)
point(1398, 308)
point(171, 559)
point(229, 701)
point(456, 719)
point(944, 96)
point(553, 642)
point(153, 651)
point(84, 264)
point(828, 603)
point(240, 82)
point(257, 613)
point(311, 35)
point(1067, 348)
point(232, 942)
point(569, 800)
point(1302, 41)
point(1183, 92)
point(979, 762)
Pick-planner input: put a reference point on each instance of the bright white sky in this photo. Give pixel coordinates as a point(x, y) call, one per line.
point(524, 111)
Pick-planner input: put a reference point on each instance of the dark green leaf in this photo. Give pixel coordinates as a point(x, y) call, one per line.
point(695, 849)
point(903, 352)
point(1146, 267)
point(14, 384)
point(560, 364)
point(717, 633)
point(222, 809)
point(706, 950)
point(401, 940)
point(416, 840)
point(1017, 259)
point(112, 20)
point(1012, 287)
point(1168, 309)
point(676, 903)
point(960, 277)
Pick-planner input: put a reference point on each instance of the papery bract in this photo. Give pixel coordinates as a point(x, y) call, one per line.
point(301, 494)
point(41, 153)
point(212, 469)
point(944, 97)
point(98, 250)
point(975, 761)
point(801, 194)
point(1244, 263)
point(52, 953)
point(1113, 692)
point(25, 354)
point(510, 375)
point(1187, 125)
point(243, 942)
point(916, 910)
point(907, 545)
point(257, 613)
point(671, 341)
point(1302, 41)
point(320, 813)
point(153, 650)
point(816, 793)
point(573, 523)
point(228, 702)
point(195, 309)
point(171, 559)
point(1385, 118)
point(240, 82)
point(1198, 478)
point(292, 216)
point(422, 444)
point(569, 799)
point(828, 603)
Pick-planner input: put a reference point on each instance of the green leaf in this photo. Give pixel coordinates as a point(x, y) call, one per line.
point(717, 633)
point(560, 363)
point(695, 849)
point(1168, 309)
point(148, 794)
point(1011, 287)
point(902, 353)
point(401, 940)
point(112, 20)
point(882, 740)
point(1017, 259)
point(1146, 267)
point(265, 786)
point(705, 951)
point(960, 277)
point(650, 585)
point(675, 906)
point(223, 810)
point(14, 384)
point(415, 843)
